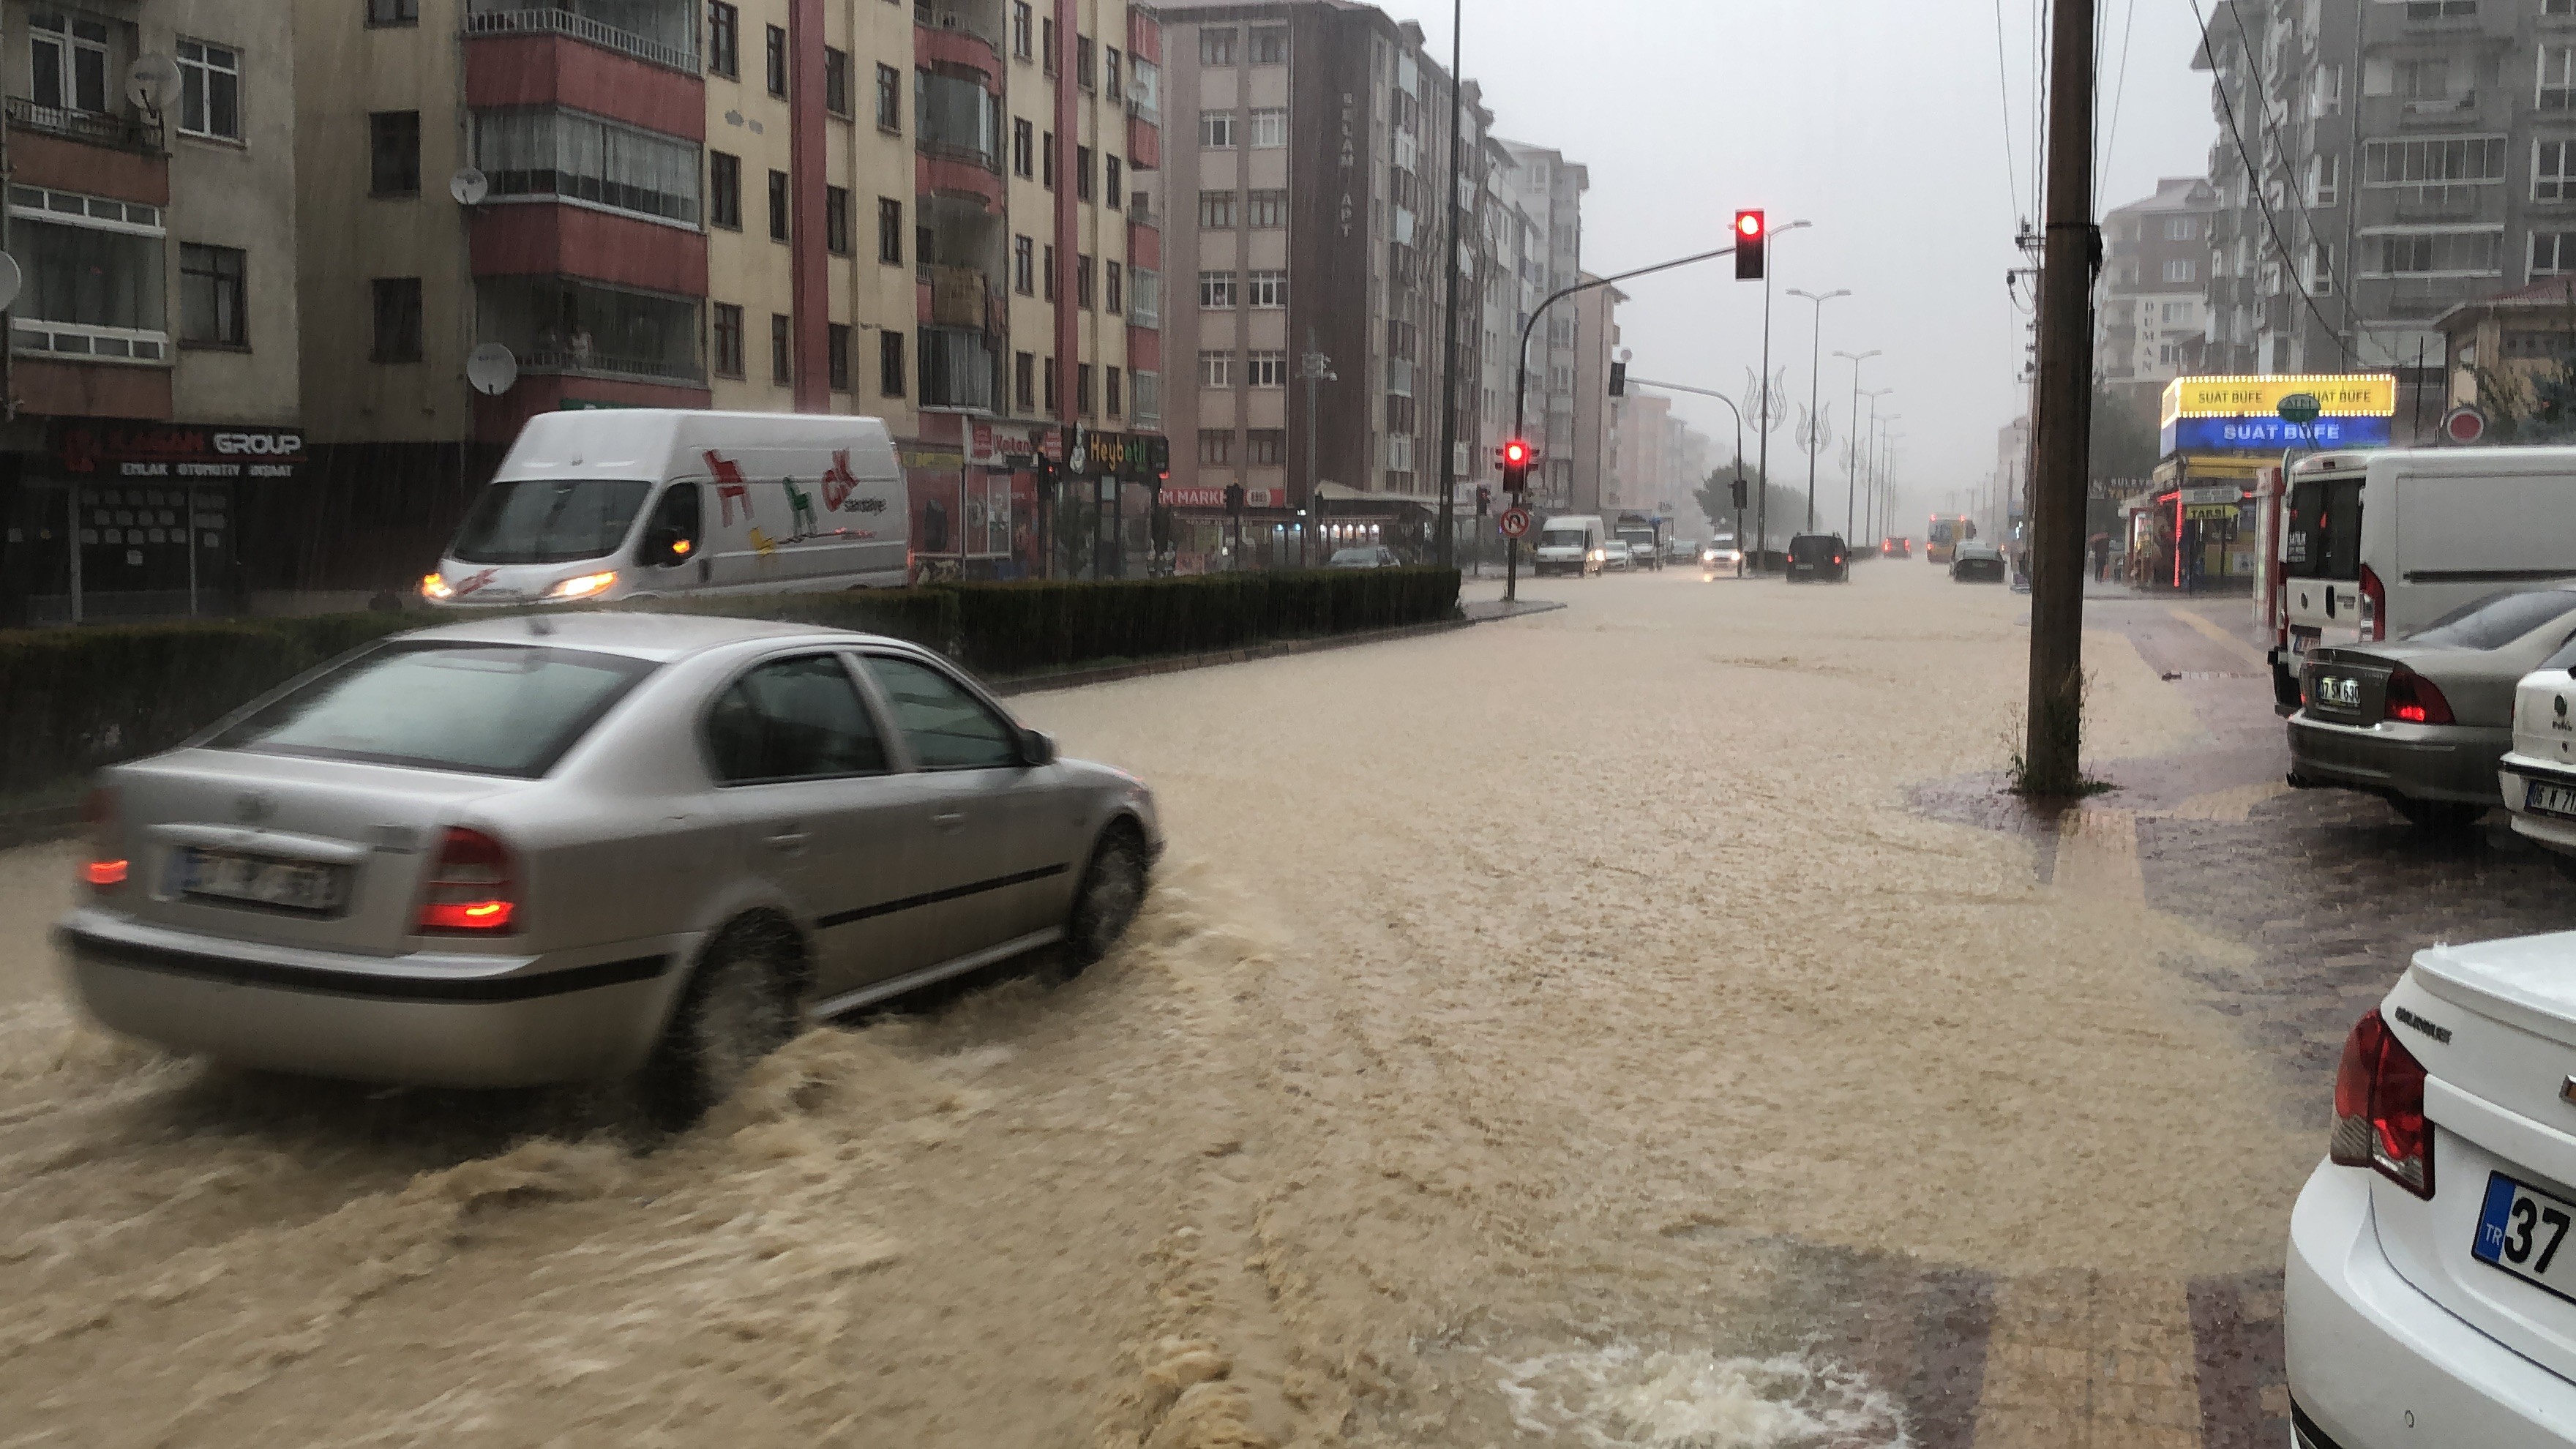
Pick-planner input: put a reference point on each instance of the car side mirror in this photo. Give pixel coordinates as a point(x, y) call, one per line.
point(1037, 747)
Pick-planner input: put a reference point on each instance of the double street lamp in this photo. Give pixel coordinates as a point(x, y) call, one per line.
point(1851, 483)
point(1815, 381)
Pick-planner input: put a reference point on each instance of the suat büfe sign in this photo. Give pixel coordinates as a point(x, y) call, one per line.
point(2350, 395)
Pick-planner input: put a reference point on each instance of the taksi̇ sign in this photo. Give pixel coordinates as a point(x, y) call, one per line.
point(2354, 395)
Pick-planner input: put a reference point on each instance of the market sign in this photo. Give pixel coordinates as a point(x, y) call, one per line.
point(2352, 395)
point(2271, 434)
point(178, 451)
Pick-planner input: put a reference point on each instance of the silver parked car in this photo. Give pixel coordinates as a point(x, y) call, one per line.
point(522, 851)
point(2424, 720)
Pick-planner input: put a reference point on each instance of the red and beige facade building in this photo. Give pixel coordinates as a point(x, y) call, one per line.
point(927, 212)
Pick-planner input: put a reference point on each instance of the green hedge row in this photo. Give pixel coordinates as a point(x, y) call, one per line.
point(74, 699)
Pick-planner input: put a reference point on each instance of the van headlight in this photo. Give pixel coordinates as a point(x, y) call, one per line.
point(583, 586)
point(1599, 554)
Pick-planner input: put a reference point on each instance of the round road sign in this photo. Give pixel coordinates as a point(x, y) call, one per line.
point(1515, 522)
point(2464, 425)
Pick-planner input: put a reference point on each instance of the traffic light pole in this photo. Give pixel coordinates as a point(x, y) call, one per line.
point(1520, 388)
point(1739, 450)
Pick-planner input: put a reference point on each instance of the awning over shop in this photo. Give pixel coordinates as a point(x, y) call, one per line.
point(2211, 465)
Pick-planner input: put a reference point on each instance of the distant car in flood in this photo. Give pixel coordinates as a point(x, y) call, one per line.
point(1896, 548)
point(1614, 556)
point(1819, 558)
point(1374, 556)
point(1973, 562)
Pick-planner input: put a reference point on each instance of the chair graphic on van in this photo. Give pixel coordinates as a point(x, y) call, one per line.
point(801, 522)
point(731, 487)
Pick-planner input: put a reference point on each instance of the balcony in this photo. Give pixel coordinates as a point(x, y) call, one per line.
point(959, 369)
point(960, 297)
point(123, 133)
point(567, 327)
point(981, 19)
point(663, 34)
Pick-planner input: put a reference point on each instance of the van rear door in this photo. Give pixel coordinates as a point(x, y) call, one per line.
point(2321, 561)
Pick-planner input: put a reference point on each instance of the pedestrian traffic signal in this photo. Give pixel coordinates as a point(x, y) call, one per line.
point(1739, 491)
point(1751, 231)
point(1484, 500)
point(1618, 379)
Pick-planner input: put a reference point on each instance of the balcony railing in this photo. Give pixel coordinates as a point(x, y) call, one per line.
point(600, 364)
point(535, 20)
point(125, 133)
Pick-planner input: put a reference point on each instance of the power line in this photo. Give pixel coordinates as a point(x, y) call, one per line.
point(2119, 93)
point(2253, 183)
point(2003, 85)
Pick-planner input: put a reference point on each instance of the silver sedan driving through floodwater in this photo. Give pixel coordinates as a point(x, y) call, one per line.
point(514, 852)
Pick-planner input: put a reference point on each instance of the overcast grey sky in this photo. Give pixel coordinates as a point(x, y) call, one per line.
point(1882, 121)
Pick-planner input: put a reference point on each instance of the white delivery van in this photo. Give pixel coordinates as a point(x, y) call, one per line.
point(2378, 545)
point(636, 503)
point(1570, 544)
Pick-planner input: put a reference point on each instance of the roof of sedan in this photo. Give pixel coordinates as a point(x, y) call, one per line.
point(637, 634)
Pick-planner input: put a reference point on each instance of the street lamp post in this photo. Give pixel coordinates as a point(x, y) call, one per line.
point(1868, 440)
point(1851, 480)
point(1739, 450)
point(1815, 379)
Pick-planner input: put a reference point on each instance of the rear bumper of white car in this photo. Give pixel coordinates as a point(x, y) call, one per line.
point(2513, 776)
point(422, 1019)
point(2375, 1364)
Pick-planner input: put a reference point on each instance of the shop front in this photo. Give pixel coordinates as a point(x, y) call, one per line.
point(135, 520)
point(2200, 528)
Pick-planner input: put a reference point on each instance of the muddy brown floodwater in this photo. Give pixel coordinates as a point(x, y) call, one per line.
point(1526, 1023)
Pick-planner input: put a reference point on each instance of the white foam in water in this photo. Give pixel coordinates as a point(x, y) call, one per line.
point(1624, 1397)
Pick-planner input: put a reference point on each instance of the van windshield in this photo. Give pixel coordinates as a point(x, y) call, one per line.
point(549, 521)
point(1561, 538)
point(2322, 538)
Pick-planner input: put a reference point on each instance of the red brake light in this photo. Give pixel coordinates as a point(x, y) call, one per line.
point(2379, 1108)
point(2374, 605)
point(2415, 699)
point(471, 890)
point(106, 867)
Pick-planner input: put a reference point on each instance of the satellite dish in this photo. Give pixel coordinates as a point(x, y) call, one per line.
point(10, 281)
point(469, 187)
point(152, 82)
point(491, 369)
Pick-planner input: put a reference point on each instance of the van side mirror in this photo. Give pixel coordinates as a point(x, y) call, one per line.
point(666, 547)
point(1037, 747)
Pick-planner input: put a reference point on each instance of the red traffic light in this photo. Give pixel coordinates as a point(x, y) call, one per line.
point(1752, 230)
point(1516, 454)
point(1748, 225)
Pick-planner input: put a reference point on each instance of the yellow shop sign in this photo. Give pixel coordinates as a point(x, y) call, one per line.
point(2344, 395)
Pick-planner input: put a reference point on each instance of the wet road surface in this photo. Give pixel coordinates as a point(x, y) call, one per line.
point(1638, 1024)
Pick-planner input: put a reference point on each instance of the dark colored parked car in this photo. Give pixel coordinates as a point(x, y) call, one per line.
point(1977, 563)
point(1819, 558)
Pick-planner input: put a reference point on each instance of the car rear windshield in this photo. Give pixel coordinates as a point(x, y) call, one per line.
point(2322, 538)
point(477, 709)
point(555, 521)
point(2497, 620)
point(1812, 549)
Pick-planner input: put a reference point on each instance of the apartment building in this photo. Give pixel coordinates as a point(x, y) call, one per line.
point(1599, 481)
point(934, 214)
point(152, 361)
point(1307, 199)
point(1546, 192)
point(2153, 292)
point(2410, 156)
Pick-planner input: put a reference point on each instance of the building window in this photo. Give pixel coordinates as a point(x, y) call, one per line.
point(1110, 84)
point(1046, 277)
point(1046, 61)
point(1216, 45)
point(837, 356)
point(1269, 448)
point(1112, 401)
point(2441, 9)
point(1024, 145)
point(1216, 369)
point(2325, 91)
point(2325, 178)
point(397, 320)
point(1046, 161)
point(1267, 289)
point(1113, 290)
point(890, 363)
point(2553, 253)
point(836, 220)
point(2182, 228)
point(1216, 130)
point(889, 231)
point(213, 308)
point(889, 99)
point(68, 61)
point(393, 153)
point(1216, 211)
point(2553, 170)
point(2436, 253)
point(1145, 398)
point(777, 67)
point(778, 206)
point(782, 348)
point(1216, 447)
point(724, 190)
point(209, 90)
point(546, 152)
point(1083, 295)
point(1270, 45)
point(1082, 66)
point(2435, 170)
point(1082, 388)
point(1266, 369)
point(1144, 298)
point(724, 40)
point(728, 341)
point(393, 12)
point(2320, 270)
point(1113, 182)
point(1024, 266)
point(2179, 269)
point(1024, 381)
point(836, 81)
point(1020, 26)
point(1047, 375)
point(1268, 211)
point(1269, 129)
point(1216, 291)
point(1082, 173)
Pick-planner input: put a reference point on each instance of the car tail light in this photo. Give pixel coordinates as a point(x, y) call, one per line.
point(2379, 1108)
point(105, 866)
point(2374, 605)
point(472, 890)
point(2414, 699)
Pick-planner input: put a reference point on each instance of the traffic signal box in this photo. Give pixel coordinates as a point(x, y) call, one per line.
point(1515, 458)
point(1752, 231)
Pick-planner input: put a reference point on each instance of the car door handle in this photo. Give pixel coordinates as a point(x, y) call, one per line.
point(788, 841)
point(949, 822)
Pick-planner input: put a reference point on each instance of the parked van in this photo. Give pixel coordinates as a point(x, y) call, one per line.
point(1571, 544)
point(2378, 545)
point(652, 502)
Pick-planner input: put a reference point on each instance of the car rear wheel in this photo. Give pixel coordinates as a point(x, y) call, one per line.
point(1105, 904)
point(738, 1009)
point(2439, 816)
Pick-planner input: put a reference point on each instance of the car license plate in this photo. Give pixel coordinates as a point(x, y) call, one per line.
point(2338, 691)
point(2523, 1231)
point(2551, 800)
point(256, 880)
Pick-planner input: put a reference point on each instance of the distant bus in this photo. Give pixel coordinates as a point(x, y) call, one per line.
point(1948, 530)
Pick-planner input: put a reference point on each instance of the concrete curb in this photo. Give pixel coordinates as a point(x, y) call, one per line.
point(1076, 679)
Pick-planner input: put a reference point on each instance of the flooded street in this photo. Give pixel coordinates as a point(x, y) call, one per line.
point(1492, 1065)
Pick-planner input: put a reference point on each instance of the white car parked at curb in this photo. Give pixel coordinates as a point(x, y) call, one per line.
point(2538, 775)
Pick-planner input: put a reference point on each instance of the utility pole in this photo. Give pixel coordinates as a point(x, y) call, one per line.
point(1815, 384)
point(1449, 326)
point(1317, 370)
point(2052, 752)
